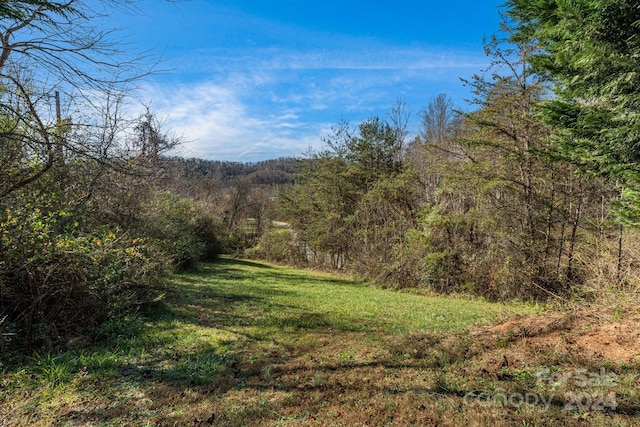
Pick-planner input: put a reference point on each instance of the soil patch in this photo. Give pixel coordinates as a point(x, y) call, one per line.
point(585, 336)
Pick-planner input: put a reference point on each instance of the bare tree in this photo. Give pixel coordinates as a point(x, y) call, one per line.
point(439, 121)
point(435, 146)
point(399, 118)
point(51, 50)
point(150, 141)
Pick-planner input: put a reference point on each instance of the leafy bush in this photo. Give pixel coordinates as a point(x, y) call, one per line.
point(169, 220)
point(57, 281)
point(276, 246)
point(464, 252)
point(210, 233)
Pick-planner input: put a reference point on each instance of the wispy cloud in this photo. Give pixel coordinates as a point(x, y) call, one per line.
point(252, 80)
point(217, 122)
point(364, 56)
point(259, 103)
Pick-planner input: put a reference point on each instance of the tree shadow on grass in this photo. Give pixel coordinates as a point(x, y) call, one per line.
point(229, 269)
point(147, 353)
point(236, 382)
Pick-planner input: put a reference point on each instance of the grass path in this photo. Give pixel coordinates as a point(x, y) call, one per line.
point(245, 343)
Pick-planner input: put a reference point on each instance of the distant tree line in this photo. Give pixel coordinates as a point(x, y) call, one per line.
point(267, 172)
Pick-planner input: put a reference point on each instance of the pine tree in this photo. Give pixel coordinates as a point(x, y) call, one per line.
point(591, 55)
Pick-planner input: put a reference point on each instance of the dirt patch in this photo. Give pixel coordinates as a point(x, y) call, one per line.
point(584, 335)
point(526, 326)
point(618, 342)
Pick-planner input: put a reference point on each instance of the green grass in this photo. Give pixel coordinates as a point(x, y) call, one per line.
point(246, 343)
point(265, 296)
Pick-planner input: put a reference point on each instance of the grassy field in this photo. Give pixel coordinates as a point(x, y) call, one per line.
point(245, 343)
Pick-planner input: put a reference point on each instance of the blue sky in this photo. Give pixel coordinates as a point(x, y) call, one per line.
point(250, 80)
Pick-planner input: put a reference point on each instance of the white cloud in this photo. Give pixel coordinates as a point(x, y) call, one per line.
point(266, 103)
point(215, 119)
point(350, 56)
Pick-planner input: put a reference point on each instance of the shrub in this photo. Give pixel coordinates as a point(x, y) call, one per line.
point(57, 281)
point(170, 220)
point(209, 232)
point(276, 246)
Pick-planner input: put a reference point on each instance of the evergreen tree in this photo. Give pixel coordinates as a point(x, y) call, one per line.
point(591, 54)
point(353, 201)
